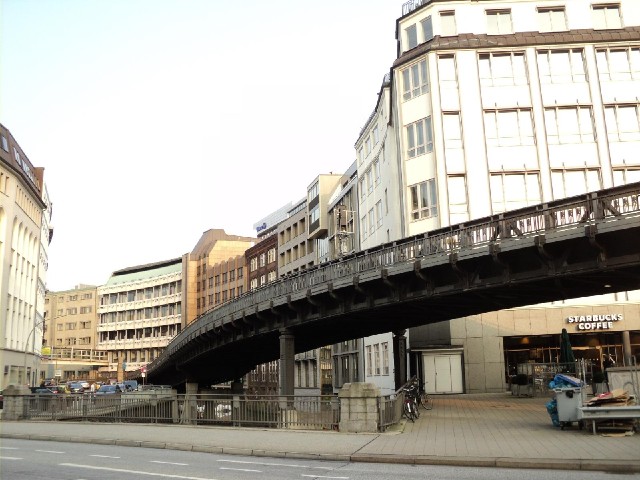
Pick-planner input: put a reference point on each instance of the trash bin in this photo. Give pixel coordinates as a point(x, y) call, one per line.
point(568, 400)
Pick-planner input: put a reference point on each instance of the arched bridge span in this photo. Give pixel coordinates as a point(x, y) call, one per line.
point(575, 247)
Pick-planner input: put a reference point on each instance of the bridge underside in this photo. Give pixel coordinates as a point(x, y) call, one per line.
point(516, 272)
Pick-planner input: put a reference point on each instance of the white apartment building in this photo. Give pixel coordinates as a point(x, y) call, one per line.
point(499, 105)
point(380, 206)
point(379, 179)
point(139, 312)
point(25, 215)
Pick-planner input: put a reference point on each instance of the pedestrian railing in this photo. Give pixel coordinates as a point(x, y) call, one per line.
point(165, 406)
point(390, 409)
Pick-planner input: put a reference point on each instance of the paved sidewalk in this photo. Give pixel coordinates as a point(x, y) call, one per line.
point(496, 430)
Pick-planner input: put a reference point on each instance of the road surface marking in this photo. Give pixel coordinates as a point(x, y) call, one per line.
point(135, 472)
point(49, 451)
point(241, 469)
point(103, 456)
point(168, 463)
point(9, 448)
point(275, 464)
point(320, 476)
point(11, 458)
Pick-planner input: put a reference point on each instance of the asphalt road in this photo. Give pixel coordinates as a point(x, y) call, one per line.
point(30, 460)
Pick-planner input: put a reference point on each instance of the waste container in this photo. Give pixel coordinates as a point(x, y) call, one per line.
point(568, 400)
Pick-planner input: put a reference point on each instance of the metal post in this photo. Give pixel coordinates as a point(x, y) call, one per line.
point(287, 362)
point(400, 358)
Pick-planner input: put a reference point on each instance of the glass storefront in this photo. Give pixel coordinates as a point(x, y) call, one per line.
point(594, 348)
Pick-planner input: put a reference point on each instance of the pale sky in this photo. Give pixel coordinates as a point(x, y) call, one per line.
point(156, 120)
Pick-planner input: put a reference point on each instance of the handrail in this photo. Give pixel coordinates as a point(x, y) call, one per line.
point(585, 209)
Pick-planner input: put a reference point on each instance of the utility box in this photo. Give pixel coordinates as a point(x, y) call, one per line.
point(568, 399)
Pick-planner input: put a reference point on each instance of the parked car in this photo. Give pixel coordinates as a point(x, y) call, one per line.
point(109, 390)
point(43, 391)
point(75, 387)
point(55, 389)
point(128, 385)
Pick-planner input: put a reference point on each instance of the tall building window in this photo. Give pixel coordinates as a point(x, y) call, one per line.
point(427, 28)
point(385, 358)
point(623, 122)
point(506, 128)
point(561, 66)
point(569, 125)
point(363, 227)
point(419, 138)
point(448, 24)
point(369, 176)
point(447, 72)
point(619, 64)
point(552, 19)
point(253, 265)
point(376, 171)
point(379, 213)
point(499, 69)
point(499, 22)
point(372, 222)
point(376, 358)
point(566, 183)
point(514, 190)
point(457, 191)
point(375, 134)
point(622, 176)
point(606, 16)
point(411, 37)
point(415, 81)
point(423, 200)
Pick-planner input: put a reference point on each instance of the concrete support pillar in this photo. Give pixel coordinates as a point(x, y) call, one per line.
point(400, 358)
point(237, 386)
point(189, 410)
point(15, 407)
point(626, 347)
point(359, 407)
point(287, 362)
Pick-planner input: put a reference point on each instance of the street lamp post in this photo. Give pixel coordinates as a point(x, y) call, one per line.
point(26, 346)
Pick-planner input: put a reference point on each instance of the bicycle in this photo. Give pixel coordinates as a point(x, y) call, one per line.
point(423, 399)
point(410, 407)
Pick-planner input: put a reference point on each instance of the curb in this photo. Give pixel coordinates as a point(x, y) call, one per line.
point(608, 466)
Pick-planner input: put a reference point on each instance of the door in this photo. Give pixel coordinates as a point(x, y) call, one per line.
point(443, 372)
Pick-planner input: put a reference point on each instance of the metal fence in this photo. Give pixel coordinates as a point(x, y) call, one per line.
point(390, 410)
point(284, 412)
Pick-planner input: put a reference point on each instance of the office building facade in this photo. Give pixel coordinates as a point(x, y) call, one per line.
point(139, 312)
point(503, 104)
point(25, 215)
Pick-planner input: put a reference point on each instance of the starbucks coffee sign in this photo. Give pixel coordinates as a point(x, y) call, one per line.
point(595, 322)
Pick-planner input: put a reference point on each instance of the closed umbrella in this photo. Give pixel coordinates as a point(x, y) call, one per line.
point(566, 352)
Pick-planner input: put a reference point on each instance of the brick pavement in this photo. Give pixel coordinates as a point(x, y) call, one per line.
point(470, 430)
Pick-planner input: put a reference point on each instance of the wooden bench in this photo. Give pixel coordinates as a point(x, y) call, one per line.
point(593, 414)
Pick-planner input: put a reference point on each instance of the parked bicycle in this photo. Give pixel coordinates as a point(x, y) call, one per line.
point(424, 400)
point(410, 406)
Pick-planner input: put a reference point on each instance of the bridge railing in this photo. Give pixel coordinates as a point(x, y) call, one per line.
point(583, 209)
point(307, 412)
